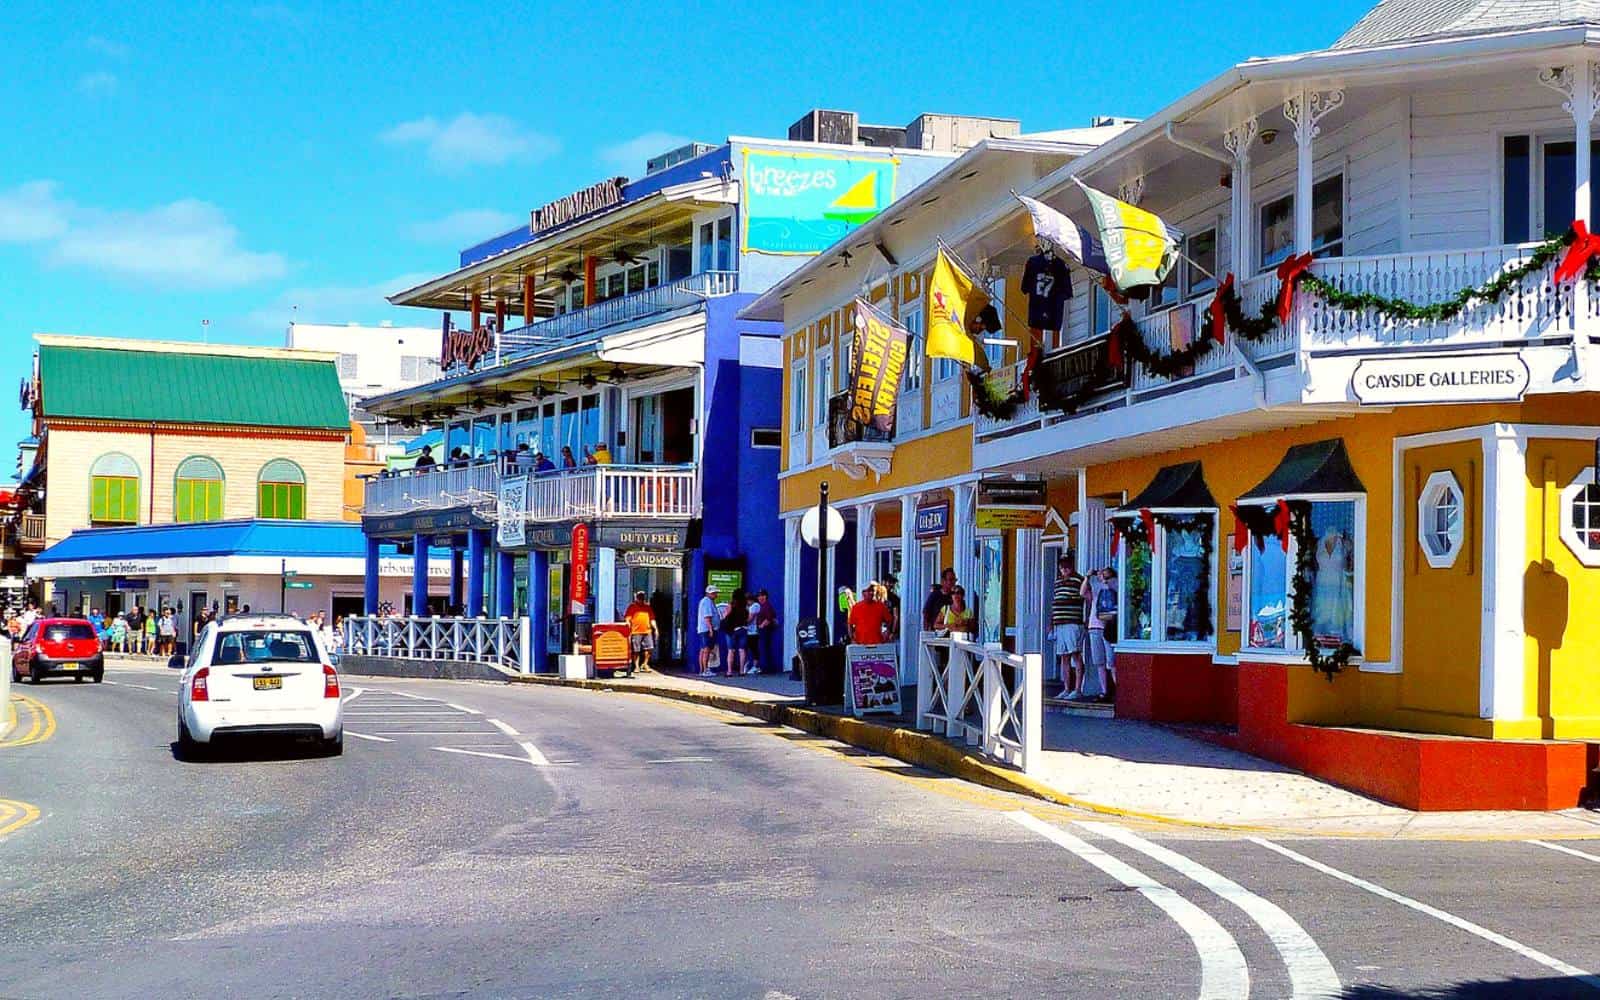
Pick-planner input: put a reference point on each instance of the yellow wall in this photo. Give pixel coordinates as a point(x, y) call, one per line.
point(1560, 595)
point(927, 459)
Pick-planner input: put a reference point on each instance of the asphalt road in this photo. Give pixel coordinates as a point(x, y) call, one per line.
point(492, 841)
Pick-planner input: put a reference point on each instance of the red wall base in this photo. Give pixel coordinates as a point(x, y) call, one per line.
point(1428, 773)
point(1176, 687)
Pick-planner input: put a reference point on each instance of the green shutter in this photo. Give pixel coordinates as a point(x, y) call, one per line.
point(97, 498)
point(183, 501)
point(130, 501)
point(296, 501)
point(213, 500)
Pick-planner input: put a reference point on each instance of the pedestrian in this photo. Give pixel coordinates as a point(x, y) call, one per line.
point(752, 643)
point(167, 629)
point(117, 634)
point(938, 599)
point(891, 597)
point(641, 619)
point(425, 460)
point(542, 463)
point(1103, 630)
point(602, 454)
point(135, 622)
point(736, 627)
point(567, 459)
point(707, 618)
point(1066, 626)
point(151, 636)
point(957, 618)
point(870, 619)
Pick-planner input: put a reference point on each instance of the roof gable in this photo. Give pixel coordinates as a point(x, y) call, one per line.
point(1394, 21)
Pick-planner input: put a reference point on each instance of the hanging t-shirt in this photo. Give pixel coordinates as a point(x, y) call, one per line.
point(1048, 286)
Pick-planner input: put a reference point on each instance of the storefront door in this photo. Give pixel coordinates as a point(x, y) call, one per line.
point(989, 596)
point(1052, 551)
point(1440, 568)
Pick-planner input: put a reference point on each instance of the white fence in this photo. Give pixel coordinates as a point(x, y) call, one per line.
point(986, 697)
point(598, 491)
point(439, 488)
point(685, 291)
point(501, 641)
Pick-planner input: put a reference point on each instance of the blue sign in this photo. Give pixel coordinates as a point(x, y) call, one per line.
point(129, 583)
point(803, 203)
point(933, 520)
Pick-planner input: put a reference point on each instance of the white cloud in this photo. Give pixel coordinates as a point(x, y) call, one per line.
point(106, 47)
point(468, 226)
point(98, 84)
point(183, 244)
point(628, 158)
point(471, 139)
point(342, 304)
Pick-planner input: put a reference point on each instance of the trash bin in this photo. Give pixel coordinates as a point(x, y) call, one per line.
point(823, 670)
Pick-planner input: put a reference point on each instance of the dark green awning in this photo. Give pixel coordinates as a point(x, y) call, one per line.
point(1318, 468)
point(1174, 487)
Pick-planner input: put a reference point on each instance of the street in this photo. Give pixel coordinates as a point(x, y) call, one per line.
point(481, 840)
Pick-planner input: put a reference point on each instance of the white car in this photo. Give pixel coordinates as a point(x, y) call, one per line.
point(259, 675)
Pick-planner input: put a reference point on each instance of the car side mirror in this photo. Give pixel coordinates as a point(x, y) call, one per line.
point(176, 663)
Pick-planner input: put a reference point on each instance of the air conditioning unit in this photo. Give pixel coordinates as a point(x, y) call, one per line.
point(819, 125)
point(673, 157)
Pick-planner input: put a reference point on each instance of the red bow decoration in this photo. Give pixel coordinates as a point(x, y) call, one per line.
point(1584, 246)
point(1034, 354)
point(1114, 348)
point(1149, 521)
point(1280, 523)
point(1218, 310)
point(1241, 531)
point(1289, 272)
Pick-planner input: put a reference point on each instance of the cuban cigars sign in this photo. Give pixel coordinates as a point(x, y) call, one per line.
point(580, 569)
point(594, 198)
point(1493, 377)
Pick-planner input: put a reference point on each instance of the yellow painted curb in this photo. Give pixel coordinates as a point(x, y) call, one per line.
point(15, 815)
point(933, 753)
point(42, 728)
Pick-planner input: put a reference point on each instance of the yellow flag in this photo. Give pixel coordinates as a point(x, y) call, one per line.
point(952, 302)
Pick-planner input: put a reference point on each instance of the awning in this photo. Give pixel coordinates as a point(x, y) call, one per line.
point(1316, 469)
point(1175, 487)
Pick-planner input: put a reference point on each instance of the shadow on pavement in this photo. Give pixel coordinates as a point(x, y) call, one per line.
point(250, 752)
point(1503, 989)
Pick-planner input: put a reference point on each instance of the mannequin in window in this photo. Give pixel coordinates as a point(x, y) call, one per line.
point(1332, 588)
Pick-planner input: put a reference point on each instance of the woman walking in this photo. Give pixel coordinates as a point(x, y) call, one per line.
point(736, 625)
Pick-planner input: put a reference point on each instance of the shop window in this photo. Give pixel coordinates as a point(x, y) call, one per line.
point(911, 320)
point(1167, 587)
point(1440, 514)
point(799, 399)
point(1331, 581)
point(1199, 264)
point(197, 490)
point(1275, 235)
point(1580, 518)
point(281, 491)
point(114, 490)
point(1538, 178)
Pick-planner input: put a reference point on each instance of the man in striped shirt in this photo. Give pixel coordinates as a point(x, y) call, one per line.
point(1066, 625)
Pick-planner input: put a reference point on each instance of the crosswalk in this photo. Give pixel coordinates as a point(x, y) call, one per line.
point(387, 715)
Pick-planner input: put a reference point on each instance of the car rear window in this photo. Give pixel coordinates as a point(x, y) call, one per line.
point(61, 633)
point(265, 647)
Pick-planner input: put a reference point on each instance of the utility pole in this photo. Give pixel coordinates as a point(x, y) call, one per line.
point(283, 585)
point(822, 561)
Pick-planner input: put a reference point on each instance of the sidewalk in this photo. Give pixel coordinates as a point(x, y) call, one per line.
point(1119, 767)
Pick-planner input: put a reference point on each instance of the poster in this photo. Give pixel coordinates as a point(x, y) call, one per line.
point(611, 648)
point(803, 203)
point(553, 613)
point(880, 364)
point(1235, 596)
point(872, 679)
point(513, 503)
point(725, 580)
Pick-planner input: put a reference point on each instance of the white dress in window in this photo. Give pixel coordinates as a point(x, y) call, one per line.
point(1333, 589)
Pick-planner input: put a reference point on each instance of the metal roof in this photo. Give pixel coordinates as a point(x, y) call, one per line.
point(213, 538)
point(1394, 21)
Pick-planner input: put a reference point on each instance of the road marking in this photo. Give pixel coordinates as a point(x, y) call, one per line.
point(432, 732)
point(1549, 962)
point(364, 736)
point(352, 696)
point(680, 760)
point(379, 713)
point(501, 726)
point(43, 727)
point(402, 694)
point(1223, 972)
point(497, 756)
point(1310, 972)
point(535, 758)
point(463, 708)
point(15, 815)
point(1567, 850)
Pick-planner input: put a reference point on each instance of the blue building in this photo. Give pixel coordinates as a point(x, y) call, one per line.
point(602, 339)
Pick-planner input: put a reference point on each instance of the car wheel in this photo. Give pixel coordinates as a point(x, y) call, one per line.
point(38, 675)
point(99, 675)
point(333, 747)
point(188, 749)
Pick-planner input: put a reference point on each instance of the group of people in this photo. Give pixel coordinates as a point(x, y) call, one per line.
point(137, 631)
point(523, 458)
point(740, 637)
point(1083, 624)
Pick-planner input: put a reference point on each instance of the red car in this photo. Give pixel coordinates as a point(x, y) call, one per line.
point(65, 646)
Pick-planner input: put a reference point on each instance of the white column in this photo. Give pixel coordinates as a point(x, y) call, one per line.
point(964, 513)
point(1028, 589)
point(912, 587)
point(1080, 519)
point(605, 609)
point(866, 539)
point(1305, 130)
point(1503, 533)
point(1583, 107)
point(793, 552)
point(1238, 141)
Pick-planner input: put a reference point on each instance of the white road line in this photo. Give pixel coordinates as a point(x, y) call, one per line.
point(482, 753)
point(501, 726)
point(364, 736)
point(1582, 976)
point(407, 715)
point(433, 732)
point(1567, 850)
point(679, 760)
point(352, 696)
point(402, 694)
point(535, 758)
point(463, 708)
point(1223, 972)
point(1310, 972)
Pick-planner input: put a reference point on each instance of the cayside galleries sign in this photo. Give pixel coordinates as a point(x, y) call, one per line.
point(1494, 377)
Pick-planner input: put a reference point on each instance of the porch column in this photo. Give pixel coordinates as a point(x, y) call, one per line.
point(1577, 84)
point(475, 307)
point(419, 574)
point(866, 537)
point(1028, 590)
point(789, 613)
point(1501, 679)
point(911, 589)
point(527, 300)
point(1304, 111)
point(475, 553)
point(505, 584)
point(1238, 141)
point(964, 513)
point(590, 264)
point(605, 583)
point(369, 589)
point(456, 575)
point(539, 608)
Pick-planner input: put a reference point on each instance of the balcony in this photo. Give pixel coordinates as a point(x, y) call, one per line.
point(436, 488)
point(853, 449)
point(685, 291)
point(30, 533)
point(592, 492)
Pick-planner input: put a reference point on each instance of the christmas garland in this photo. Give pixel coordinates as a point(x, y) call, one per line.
point(989, 400)
point(1305, 569)
point(1205, 525)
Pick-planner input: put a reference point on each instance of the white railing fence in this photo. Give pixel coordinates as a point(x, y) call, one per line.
point(986, 697)
point(438, 487)
point(643, 491)
point(502, 641)
point(672, 295)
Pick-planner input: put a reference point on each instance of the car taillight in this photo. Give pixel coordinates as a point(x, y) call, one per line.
point(330, 682)
point(197, 686)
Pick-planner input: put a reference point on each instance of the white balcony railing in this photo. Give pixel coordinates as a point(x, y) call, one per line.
point(1007, 379)
point(503, 642)
point(987, 698)
point(596, 492)
point(436, 488)
point(636, 305)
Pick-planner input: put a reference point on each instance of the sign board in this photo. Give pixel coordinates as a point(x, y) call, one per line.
point(725, 580)
point(1489, 377)
point(611, 649)
point(872, 679)
point(658, 536)
point(299, 585)
point(512, 530)
point(1235, 594)
point(130, 583)
point(122, 568)
point(421, 523)
point(1079, 370)
point(1009, 504)
point(465, 348)
point(568, 208)
point(804, 202)
point(547, 536)
point(580, 568)
point(646, 559)
point(1009, 518)
point(809, 526)
point(933, 519)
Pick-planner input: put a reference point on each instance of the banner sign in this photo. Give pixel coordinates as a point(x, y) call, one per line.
point(594, 198)
point(122, 568)
point(423, 523)
point(130, 583)
point(933, 519)
point(465, 348)
point(621, 536)
point(803, 203)
point(1009, 518)
point(547, 536)
point(872, 679)
point(580, 568)
point(1495, 377)
point(725, 580)
point(880, 363)
point(513, 503)
point(611, 649)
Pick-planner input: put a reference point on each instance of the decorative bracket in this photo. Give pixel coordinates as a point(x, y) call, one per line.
point(1237, 140)
point(1568, 81)
point(858, 458)
point(1321, 104)
point(1131, 191)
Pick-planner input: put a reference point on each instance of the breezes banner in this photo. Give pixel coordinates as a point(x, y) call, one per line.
point(803, 203)
point(880, 362)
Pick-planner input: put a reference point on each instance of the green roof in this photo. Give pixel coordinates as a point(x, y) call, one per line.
point(161, 386)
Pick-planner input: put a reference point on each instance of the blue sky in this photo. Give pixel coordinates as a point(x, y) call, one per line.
point(172, 162)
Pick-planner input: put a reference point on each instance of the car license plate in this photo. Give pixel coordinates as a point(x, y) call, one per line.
point(267, 683)
point(69, 666)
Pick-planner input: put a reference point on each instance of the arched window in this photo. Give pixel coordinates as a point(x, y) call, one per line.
point(197, 490)
point(281, 490)
point(114, 490)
